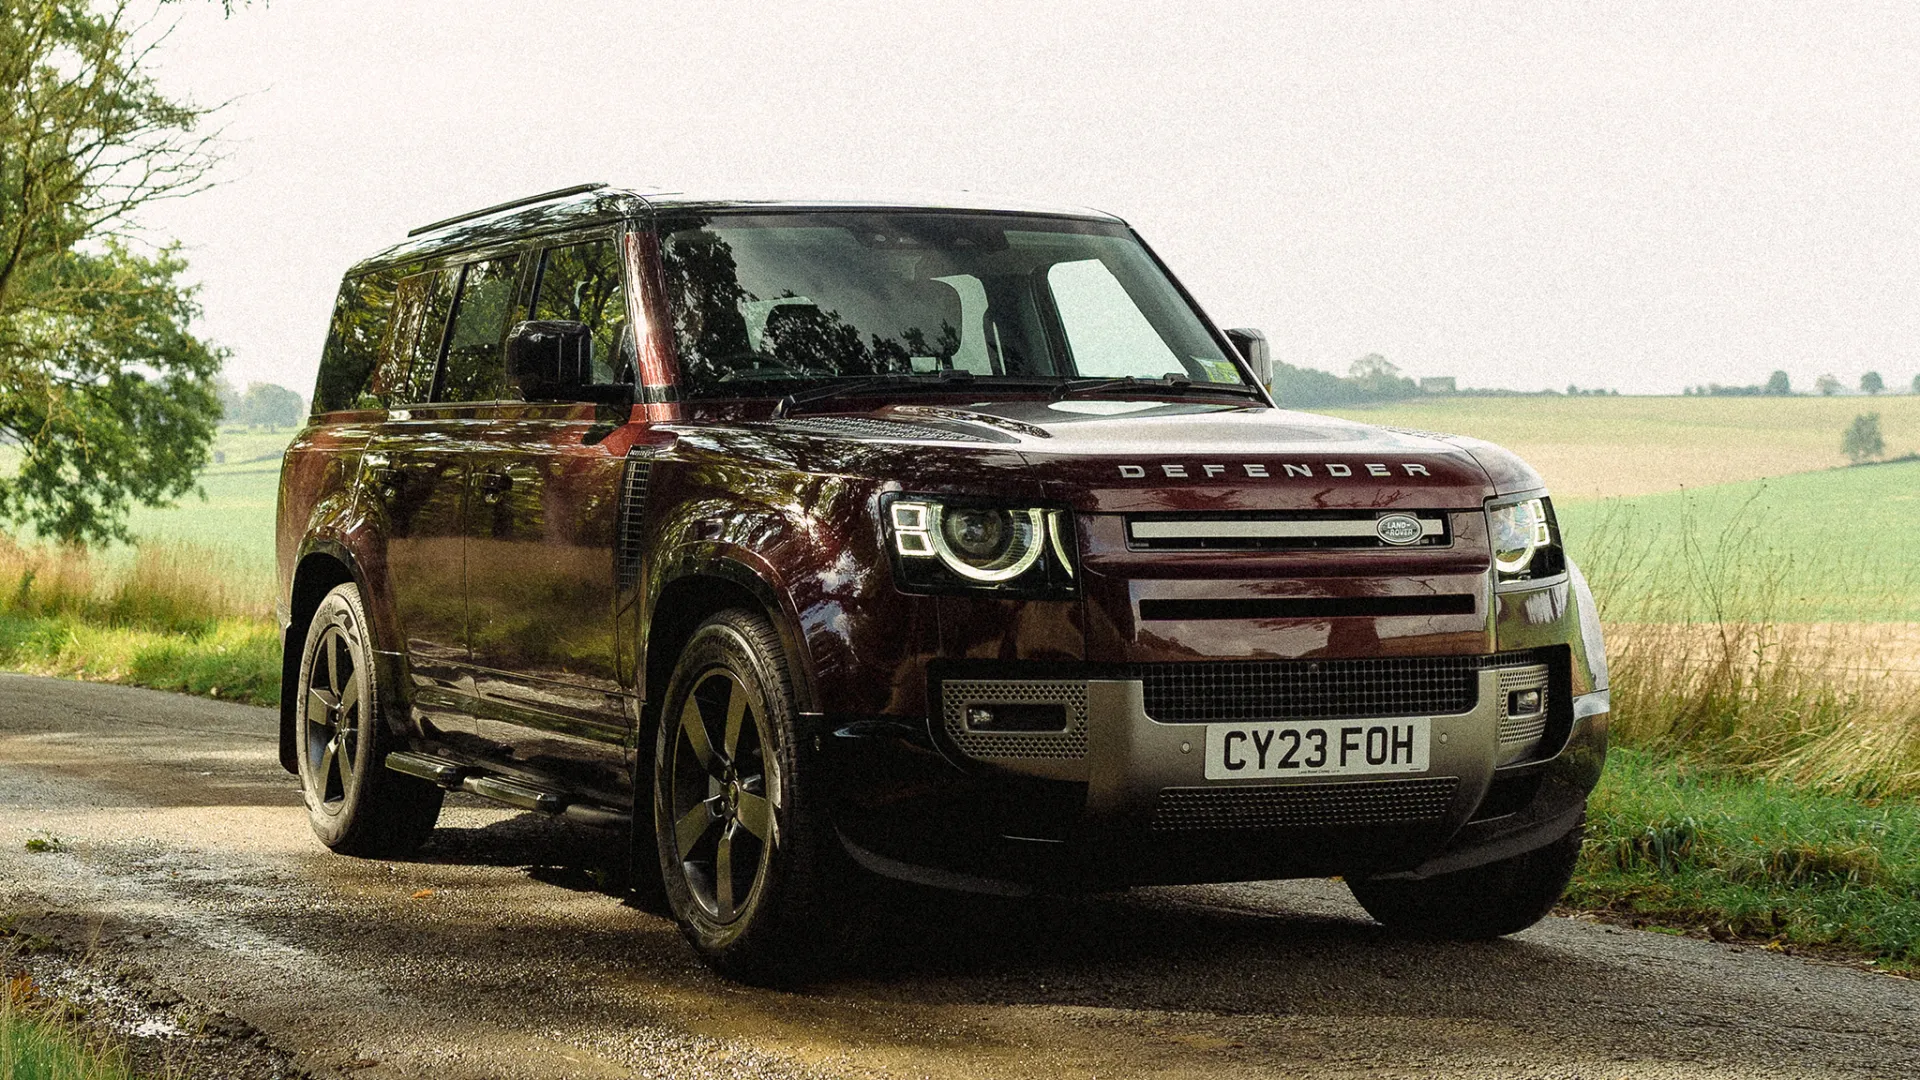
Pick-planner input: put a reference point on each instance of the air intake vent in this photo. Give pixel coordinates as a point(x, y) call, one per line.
point(855, 427)
point(1309, 607)
point(1317, 689)
point(1375, 802)
point(627, 546)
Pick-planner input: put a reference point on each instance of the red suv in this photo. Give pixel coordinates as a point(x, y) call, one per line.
point(811, 541)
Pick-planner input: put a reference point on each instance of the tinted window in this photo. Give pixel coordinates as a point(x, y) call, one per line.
point(476, 357)
point(581, 283)
point(412, 348)
point(361, 316)
point(762, 303)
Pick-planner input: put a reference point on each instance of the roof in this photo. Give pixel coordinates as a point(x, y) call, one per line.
point(583, 205)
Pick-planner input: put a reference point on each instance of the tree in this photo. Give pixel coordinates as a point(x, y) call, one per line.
point(1778, 385)
point(269, 406)
point(103, 385)
point(1827, 385)
point(1872, 383)
point(1376, 376)
point(1862, 441)
point(1916, 384)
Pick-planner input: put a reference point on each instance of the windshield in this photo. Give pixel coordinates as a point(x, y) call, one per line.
point(767, 303)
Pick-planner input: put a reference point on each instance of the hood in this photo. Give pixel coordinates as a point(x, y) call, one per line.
point(1120, 456)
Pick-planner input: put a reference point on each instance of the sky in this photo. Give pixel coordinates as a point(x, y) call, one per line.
point(1632, 196)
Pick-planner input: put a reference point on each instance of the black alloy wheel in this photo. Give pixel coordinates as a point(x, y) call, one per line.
point(354, 803)
point(721, 777)
point(750, 866)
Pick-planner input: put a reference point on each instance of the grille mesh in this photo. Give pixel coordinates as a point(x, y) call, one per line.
point(857, 427)
point(1071, 744)
point(633, 500)
point(1316, 689)
point(1522, 729)
point(1374, 802)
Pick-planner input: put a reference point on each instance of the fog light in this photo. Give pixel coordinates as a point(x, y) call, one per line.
point(1016, 717)
point(1523, 702)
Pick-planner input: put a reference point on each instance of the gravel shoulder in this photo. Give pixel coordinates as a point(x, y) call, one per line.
point(185, 869)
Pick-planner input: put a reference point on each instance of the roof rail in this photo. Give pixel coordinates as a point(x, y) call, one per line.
point(508, 205)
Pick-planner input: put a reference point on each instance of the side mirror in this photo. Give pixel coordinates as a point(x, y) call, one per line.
point(552, 360)
point(1253, 349)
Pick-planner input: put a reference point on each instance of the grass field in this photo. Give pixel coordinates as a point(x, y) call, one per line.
point(1591, 447)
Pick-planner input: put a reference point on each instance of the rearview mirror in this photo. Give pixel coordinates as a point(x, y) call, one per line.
point(552, 360)
point(1253, 349)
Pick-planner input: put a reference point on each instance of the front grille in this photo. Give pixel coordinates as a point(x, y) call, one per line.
point(1309, 607)
point(1071, 744)
point(1371, 802)
point(1316, 689)
point(1286, 530)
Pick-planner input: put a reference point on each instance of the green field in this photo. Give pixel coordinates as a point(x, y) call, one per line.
point(1593, 447)
point(236, 515)
point(1839, 545)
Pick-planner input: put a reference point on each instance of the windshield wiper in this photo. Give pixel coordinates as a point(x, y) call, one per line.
point(868, 385)
point(1176, 383)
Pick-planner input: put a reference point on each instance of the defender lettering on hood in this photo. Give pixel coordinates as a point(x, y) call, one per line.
point(1260, 471)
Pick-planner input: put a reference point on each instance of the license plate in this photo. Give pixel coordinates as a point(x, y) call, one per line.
point(1317, 748)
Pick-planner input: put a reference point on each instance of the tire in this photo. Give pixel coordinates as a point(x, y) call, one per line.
point(751, 868)
point(355, 804)
point(1484, 902)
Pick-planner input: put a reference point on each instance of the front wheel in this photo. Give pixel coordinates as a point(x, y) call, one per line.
point(355, 804)
point(1483, 902)
point(751, 869)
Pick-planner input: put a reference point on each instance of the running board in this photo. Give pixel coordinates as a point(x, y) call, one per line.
point(452, 775)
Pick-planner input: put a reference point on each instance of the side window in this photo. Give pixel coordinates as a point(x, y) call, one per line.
point(581, 283)
point(412, 347)
point(476, 355)
point(361, 316)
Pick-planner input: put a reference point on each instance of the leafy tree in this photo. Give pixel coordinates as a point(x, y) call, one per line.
point(1872, 383)
point(1378, 377)
point(103, 385)
point(1862, 441)
point(265, 405)
point(1778, 385)
point(1827, 385)
point(1916, 384)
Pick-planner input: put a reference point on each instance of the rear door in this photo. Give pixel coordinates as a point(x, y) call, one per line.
point(540, 527)
point(414, 482)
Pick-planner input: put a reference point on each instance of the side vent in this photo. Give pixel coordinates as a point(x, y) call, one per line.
point(633, 505)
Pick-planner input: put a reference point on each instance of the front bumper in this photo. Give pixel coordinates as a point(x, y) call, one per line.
point(1119, 797)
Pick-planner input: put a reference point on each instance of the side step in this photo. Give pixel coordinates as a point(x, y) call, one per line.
point(452, 775)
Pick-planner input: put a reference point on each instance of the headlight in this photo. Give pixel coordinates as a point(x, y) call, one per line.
point(1525, 539)
point(940, 544)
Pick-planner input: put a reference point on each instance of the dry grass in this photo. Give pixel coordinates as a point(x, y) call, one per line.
point(174, 617)
point(1704, 669)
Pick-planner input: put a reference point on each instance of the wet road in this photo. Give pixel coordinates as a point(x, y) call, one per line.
point(185, 853)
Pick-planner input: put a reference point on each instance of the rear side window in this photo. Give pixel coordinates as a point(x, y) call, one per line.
point(581, 283)
point(476, 357)
point(412, 349)
point(361, 317)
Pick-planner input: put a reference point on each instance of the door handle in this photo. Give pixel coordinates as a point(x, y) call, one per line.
point(494, 484)
point(385, 478)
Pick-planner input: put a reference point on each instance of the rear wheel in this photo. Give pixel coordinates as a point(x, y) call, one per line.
point(1488, 901)
point(750, 866)
point(355, 804)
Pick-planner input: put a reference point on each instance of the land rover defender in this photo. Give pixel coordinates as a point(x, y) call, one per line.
point(809, 543)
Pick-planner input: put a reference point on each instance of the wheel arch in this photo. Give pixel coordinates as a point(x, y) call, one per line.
point(690, 598)
point(323, 567)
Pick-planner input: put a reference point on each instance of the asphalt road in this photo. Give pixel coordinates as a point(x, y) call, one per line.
point(184, 854)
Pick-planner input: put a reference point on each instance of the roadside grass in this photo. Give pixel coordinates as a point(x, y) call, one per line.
point(37, 1042)
point(1672, 845)
point(173, 617)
